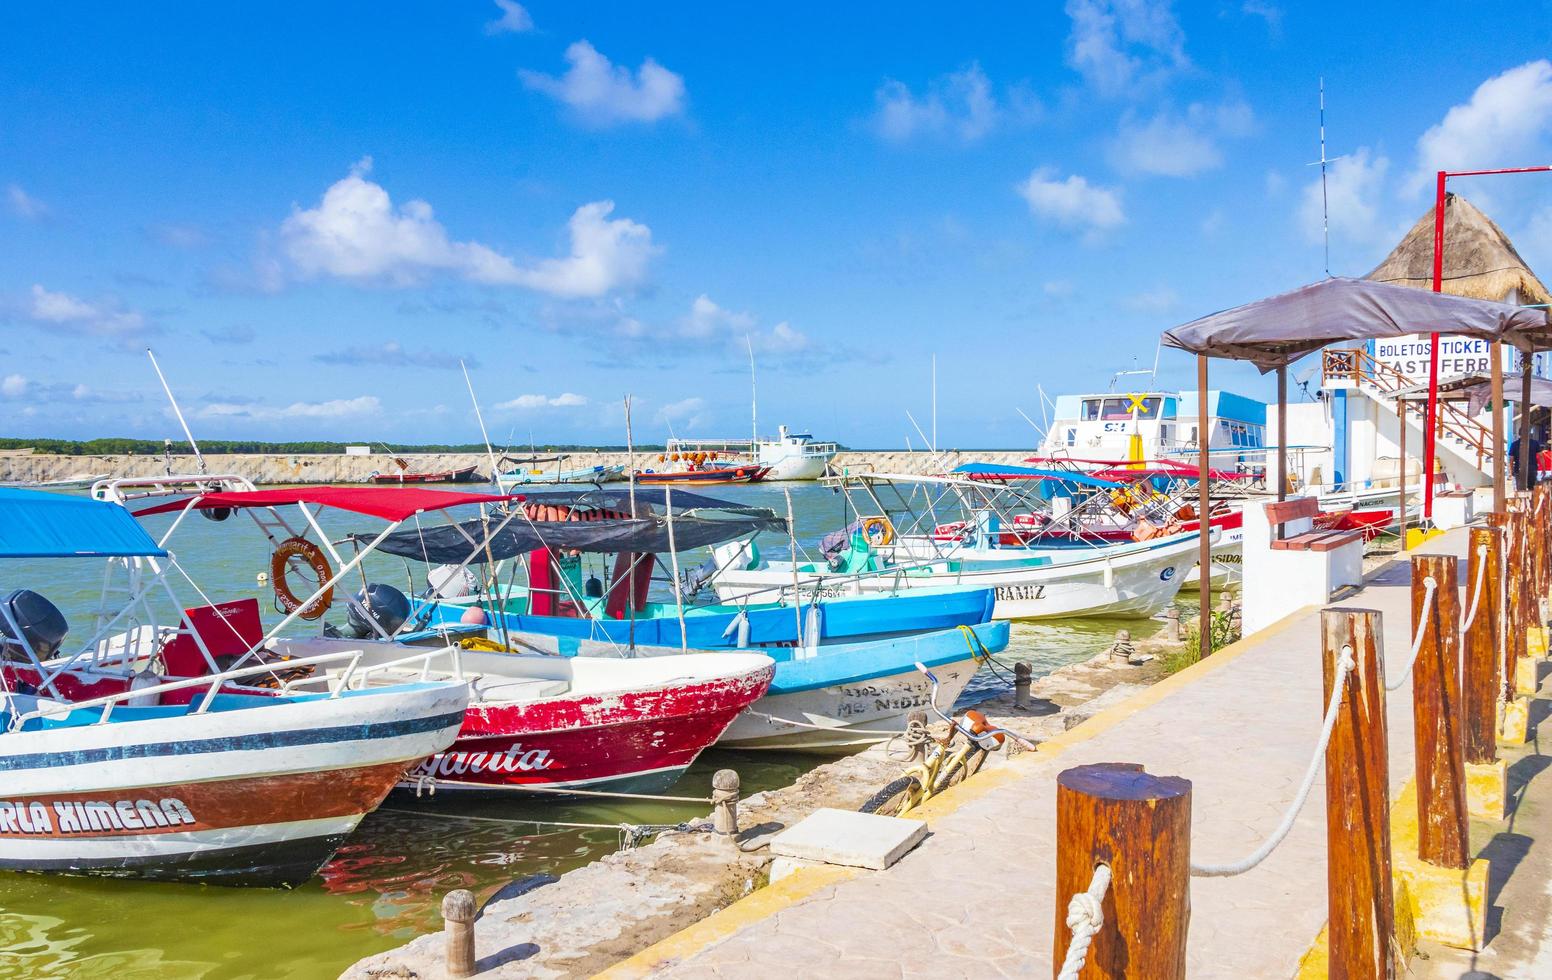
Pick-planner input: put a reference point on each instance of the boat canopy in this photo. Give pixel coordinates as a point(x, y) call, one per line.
point(388, 503)
point(997, 471)
point(620, 499)
point(1276, 331)
point(509, 537)
point(37, 524)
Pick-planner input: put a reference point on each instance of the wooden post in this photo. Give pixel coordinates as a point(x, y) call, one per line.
point(1203, 508)
point(1479, 674)
point(1140, 825)
point(1436, 710)
point(1503, 613)
point(1515, 583)
point(458, 921)
point(1359, 892)
point(724, 802)
point(1524, 464)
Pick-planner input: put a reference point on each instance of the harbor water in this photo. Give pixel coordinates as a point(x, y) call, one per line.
point(385, 885)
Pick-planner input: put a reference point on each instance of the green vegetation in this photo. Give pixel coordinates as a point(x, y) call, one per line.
point(217, 447)
point(1223, 629)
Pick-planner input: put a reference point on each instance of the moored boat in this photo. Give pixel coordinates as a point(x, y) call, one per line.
point(464, 474)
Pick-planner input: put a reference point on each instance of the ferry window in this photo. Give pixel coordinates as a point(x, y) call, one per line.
point(1150, 407)
point(1117, 408)
point(1072, 437)
point(1090, 409)
point(1166, 432)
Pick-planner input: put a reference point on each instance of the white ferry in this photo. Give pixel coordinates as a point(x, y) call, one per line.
point(789, 456)
point(1108, 428)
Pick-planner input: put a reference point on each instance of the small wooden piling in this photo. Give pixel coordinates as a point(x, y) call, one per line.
point(1172, 624)
point(1359, 892)
point(458, 922)
point(1438, 716)
point(1480, 686)
point(1023, 676)
point(1515, 585)
point(724, 802)
point(1116, 814)
point(1503, 614)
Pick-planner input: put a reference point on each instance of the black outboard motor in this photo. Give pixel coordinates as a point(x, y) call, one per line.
point(387, 605)
point(41, 623)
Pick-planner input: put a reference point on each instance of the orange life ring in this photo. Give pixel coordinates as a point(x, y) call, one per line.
point(877, 531)
point(280, 567)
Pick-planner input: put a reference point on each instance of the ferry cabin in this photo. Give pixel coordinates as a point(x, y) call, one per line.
point(1114, 427)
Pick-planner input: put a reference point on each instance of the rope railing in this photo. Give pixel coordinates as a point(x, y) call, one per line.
point(1085, 917)
point(1476, 595)
point(1430, 586)
point(1344, 667)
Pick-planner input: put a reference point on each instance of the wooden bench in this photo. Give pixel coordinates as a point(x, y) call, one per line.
point(1305, 508)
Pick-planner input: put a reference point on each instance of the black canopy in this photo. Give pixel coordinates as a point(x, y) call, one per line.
point(618, 498)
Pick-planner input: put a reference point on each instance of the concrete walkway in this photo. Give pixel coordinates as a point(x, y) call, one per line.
point(976, 900)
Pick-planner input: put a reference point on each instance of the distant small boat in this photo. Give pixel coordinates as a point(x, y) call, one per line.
point(78, 482)
point(708, 475)
point(465, 475)
point(529, 471)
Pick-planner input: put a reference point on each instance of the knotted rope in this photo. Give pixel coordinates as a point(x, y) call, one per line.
point(1085, 917)
point(1430, 586)
point(1344, 666)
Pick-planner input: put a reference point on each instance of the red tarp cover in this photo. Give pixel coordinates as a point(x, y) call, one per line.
point(389, 503)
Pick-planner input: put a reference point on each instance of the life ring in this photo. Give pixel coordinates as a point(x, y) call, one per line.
point(877, 531)
point(280, 566)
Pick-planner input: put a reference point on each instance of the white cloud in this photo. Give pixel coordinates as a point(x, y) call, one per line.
point(1160, 300)
point(602, 93)
point(960, 105)
point(513, 20)
point(686, 412)
point(24, 205)
point(13, 386)
point(1118, 45)
point(709, 322)
point(524, 403)
point(357, 233)
point(66, 312)
point(335, 409)
point(393, 354)
point(1073, 203)
point(1353, 189)
point(1268, 12)
point(1507, 120)
point(1174, 145)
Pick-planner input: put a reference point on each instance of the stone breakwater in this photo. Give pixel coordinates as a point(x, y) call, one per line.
point(270, 468)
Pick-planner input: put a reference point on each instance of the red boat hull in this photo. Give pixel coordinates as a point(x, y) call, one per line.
point(465, 475)
point(731, 474)
point(639, 740)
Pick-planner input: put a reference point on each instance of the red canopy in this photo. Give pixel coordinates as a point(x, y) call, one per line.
point(388, 503)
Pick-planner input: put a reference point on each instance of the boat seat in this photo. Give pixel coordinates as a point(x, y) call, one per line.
point(1317, 541)
point(490, 688)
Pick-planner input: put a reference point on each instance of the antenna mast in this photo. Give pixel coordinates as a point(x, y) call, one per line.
point(1325, 219)
point(754, 404)
point(178, 412)
point(490, 454)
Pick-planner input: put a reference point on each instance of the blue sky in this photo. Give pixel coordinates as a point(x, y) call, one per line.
point(311, 211)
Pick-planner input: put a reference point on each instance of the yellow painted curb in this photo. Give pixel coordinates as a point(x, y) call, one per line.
point(720, 925)
point(1525, 676)
point(1487, 790)
point(1536, 642)
point(1515, 726)
point(1416, 536)
point(1448, 905)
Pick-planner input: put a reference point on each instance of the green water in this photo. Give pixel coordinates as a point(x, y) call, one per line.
point(385, 885)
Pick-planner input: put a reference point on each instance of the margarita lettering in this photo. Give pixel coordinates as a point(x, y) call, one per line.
point(91, 816)
point(512, 760)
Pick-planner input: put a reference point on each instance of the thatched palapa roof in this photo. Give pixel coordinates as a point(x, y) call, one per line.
point(1479, 260)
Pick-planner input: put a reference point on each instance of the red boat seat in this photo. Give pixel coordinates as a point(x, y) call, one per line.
point(1298, 509)
point(229, 630)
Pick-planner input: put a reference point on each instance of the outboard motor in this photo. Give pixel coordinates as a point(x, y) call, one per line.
point(42, 625)
point(387, 606)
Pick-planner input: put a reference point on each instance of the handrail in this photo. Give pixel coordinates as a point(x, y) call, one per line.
point(1356, 365)
point(215, 680)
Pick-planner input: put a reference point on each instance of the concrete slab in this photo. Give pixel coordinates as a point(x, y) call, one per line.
point(845, 837)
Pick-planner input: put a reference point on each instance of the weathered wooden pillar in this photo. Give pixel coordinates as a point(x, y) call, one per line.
point(1480, 685)
point(458, 913)
point(1503, 614)
point(1116, 814)
point(1436, 709)
point(1514, 582)
point(1359, 891)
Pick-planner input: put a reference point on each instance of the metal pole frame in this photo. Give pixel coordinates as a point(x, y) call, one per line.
point(1204, 522)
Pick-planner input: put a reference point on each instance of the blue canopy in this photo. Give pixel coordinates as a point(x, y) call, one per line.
point(1031, 473)
point(37, 524)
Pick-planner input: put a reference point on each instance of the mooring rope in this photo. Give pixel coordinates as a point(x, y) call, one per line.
point(1430, 586)
point(1476, 597)
point(1344, 666)
point(429, 785)
point(1085, 917)
point(776, 720)
point(631, 834)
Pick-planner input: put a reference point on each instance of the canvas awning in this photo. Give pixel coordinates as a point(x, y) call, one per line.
point(1276, 331)
point(388, 503)
point(1477, 390)
point(36, 524)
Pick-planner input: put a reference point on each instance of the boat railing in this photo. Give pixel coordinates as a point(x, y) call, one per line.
point(355, 677)
point(216, 681)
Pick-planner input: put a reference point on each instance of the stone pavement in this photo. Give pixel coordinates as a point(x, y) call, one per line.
point(975, 900)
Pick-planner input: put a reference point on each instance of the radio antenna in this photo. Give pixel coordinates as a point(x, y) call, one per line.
point(1325, 217)
point(200, 457)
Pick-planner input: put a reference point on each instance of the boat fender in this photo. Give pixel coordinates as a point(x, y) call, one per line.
point(279, 570)
point(142, 680)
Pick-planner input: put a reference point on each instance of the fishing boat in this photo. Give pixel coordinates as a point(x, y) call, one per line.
point(533, 719)
point(463, 474)
point(112, 769)
point(709, 472)
point(844, 664)
point(525, 471)
point(789, 456)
